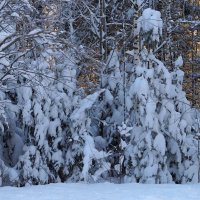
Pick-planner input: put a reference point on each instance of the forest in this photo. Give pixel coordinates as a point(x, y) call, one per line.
point(99, 91)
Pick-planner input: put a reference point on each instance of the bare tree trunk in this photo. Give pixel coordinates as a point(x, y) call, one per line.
point(136, 45)
point(103, 31)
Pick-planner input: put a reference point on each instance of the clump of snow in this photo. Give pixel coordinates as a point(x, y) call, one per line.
point(150, 113)
point(85, 104)
point(179, 62)
point(151, 21)
point(124, 130)
point(90, 153)
point(140, 88)
point(35, 31)
point(160, 144)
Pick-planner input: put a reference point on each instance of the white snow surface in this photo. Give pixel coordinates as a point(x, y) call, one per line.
point(102, 191)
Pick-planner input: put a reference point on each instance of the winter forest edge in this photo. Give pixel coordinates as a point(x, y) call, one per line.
point(93, 91)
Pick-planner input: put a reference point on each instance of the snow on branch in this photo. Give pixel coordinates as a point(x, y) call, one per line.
point(85, 104)
point(151, 21)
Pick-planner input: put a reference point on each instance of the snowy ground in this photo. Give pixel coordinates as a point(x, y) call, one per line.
point(105, 191)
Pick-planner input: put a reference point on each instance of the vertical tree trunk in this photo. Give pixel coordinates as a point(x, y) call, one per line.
point(103, 48)
point(103, 31)
point(136, 45)
point(169, 34)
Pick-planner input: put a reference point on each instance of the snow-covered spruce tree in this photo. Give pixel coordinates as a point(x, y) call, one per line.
point(112, 110)
point(107, 117)
point(186, 170)
point(159, 113)
point(84, 160)
point(47, 103)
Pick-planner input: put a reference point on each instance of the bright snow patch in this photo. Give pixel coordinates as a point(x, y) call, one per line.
point(102, 191)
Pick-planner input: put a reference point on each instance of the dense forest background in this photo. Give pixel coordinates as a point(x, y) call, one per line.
point(94, 90)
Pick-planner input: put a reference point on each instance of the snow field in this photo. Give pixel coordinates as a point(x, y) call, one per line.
point(102, 191)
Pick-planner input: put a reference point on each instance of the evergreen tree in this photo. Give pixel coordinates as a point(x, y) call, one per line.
point(47, 107)
point(159, 112)
point(114, 95)
point(84, 159)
